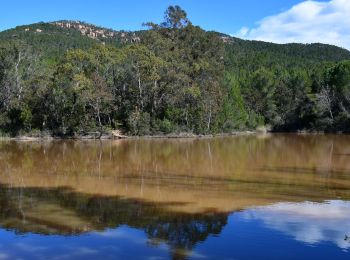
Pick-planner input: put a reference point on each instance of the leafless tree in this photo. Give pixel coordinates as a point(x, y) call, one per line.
point(325, 100)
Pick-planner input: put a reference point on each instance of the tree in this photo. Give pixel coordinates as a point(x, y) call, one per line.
point(259, 94)
point(233, 115)
point(83, 90)
point(15, 70)
point(175, 17)
point(95, 94)
point(339, 79)
point(144, 68)
point(325, 100)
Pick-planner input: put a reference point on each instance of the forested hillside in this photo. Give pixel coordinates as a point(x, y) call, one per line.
point(67, 78)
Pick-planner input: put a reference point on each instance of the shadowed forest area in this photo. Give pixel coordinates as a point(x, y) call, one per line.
point(172, 77)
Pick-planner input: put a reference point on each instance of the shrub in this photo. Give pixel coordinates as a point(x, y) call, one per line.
point(139, 123)
point(166, 126)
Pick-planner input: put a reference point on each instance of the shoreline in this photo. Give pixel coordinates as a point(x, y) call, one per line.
point(131, 137)
point(24, 138)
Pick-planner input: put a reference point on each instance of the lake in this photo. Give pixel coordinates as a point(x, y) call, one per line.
point(281, 196)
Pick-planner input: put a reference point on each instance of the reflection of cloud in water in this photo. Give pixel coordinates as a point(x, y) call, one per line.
point(39, 252)
point(72, 253)
point(308, 222)
point(123, 233)
point(29, 248)
point(4, 256)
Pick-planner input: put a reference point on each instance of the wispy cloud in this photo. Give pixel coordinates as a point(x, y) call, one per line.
point(306, 22)
point(4, 256)
point(308, 222)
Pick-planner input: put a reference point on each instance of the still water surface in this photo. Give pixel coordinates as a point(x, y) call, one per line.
point(266, 197)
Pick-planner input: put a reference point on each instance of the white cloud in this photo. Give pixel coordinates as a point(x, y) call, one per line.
point(308, 222)
point(307, 22)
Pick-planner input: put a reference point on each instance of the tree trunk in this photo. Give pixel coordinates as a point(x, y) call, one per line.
point(209, 118)
point(99, 119)
point(140, 91)
point(18, 82)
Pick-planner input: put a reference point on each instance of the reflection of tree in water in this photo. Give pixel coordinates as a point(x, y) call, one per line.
point(61, 211)
point(182, 233)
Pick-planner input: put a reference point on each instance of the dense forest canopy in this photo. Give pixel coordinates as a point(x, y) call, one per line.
point(67, 78)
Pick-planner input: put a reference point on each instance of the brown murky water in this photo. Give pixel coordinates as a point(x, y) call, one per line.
point(72, 188)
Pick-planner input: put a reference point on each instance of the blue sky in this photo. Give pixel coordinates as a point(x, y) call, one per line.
point(270, 20)
point(222, 15)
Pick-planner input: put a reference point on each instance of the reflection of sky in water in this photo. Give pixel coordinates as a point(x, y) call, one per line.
point(307, 222)
point(121, 243)
point(280, 231)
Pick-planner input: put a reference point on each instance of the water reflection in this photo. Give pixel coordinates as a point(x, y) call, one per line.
point(175, 197)
point(212, 174)
point(64, 212)
point(308, 222)
point(97, 226)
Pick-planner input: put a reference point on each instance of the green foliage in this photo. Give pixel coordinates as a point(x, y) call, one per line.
point(174, 77)
point(233, 115)
point(26, 117)
point(166, 126)
point(139, 123)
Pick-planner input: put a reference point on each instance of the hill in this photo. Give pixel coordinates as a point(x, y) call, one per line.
point(59, 36)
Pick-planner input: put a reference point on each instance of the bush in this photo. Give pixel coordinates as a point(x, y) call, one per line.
point(342, 122)
point(139, 123)
point(26, 117)
point(166, 126)
point(4, 134)
point(228, 126)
